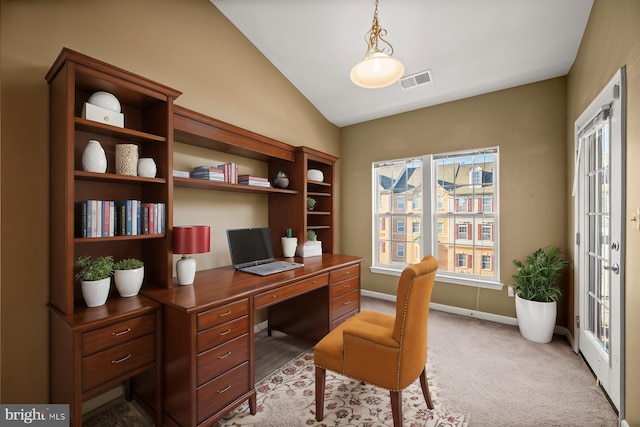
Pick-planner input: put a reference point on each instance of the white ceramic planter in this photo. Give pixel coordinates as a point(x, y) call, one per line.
point(536, 320)
point(129, 282)
point(289, 245)
point(95, 292)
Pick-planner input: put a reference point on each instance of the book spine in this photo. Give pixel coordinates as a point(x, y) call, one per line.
point(112, 219)
point(151, 219)
point(80, 219)
point(105, 218)
point(145, 218)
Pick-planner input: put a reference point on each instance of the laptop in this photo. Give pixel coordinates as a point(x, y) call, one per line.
point(252, 252)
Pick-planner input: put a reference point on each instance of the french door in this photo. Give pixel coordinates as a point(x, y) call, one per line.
point(599, 209)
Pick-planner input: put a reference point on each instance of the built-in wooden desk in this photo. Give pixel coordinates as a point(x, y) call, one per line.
point(208, 347)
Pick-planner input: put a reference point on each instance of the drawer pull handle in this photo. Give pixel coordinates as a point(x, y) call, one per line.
point(313, 282)
point(224, 389)
point(224, 356)
point(346, 303)
point(347, 273)
point(224, 314)
point(117, 334)
point(274, 296)
point(115, 362)
point(346, 286)
point(224, 332)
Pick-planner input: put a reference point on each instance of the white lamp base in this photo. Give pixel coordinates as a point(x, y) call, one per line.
point(186, 270)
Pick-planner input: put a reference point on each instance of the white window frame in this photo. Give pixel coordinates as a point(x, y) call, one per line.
point(430, 231)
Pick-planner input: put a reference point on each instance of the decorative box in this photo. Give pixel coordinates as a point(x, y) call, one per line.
point(309, 249)
point(102, 115)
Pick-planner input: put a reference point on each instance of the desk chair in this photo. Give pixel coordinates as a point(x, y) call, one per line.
point(385, 351)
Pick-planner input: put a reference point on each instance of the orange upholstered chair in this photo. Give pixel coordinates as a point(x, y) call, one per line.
point(385, 351)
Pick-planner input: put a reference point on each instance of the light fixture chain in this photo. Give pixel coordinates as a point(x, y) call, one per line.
point(375, 34)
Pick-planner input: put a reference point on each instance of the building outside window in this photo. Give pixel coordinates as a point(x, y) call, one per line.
point(455, 196)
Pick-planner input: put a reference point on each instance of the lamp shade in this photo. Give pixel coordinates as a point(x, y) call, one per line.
point(191, 239)
point(376, 71)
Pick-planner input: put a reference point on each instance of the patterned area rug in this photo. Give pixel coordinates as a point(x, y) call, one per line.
point(287, 398)
point(118, 413)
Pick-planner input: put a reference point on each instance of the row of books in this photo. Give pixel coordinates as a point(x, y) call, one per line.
point(106, 218)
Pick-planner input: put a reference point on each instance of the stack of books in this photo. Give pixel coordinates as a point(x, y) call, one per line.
point(210, 173)
point(253, 180)
point(309, 249)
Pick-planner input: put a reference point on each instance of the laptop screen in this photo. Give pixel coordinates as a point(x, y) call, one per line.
point(250, 246)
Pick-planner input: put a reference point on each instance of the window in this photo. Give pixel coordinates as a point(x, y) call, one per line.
point(455, 196)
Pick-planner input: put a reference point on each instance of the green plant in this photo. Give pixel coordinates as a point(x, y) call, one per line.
point(311, 203)
point(312, 236)
point(94, 268)
point(289, 233)
point(537, 278)
point(128, 264)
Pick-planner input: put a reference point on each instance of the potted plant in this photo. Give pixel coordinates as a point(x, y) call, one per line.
point(289, 244)
point(537, 293)
point(95, 278)
point(128, 275)
point(311, 203)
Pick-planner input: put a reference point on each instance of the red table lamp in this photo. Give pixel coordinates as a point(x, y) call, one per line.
point(189, 239)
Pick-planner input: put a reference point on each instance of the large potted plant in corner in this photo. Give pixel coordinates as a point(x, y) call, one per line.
point(128, 275)
point(95, 278)
point(537, 293)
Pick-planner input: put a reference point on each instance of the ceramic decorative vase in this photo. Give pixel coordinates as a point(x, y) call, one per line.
point(147, 167)
point(281, 180)
point(127, 159)
point(93, 158)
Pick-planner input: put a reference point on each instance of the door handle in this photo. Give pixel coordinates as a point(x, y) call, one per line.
point(613, 267)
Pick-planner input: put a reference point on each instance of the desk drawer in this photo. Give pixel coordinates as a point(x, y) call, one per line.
point(214, 362)
point(117, 333)
point(345, 286)
point(221, 391)
point(222, 314)
point(345, 273)
point(277, 295)
point(108, 364)
point(222, 333)
point(344, 304)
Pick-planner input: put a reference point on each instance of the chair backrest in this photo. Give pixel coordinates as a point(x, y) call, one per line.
point(412, 314)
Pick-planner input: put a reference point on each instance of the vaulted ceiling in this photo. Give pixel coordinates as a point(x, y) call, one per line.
point(470, 47)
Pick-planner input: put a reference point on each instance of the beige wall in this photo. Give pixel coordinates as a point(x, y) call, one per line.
point(611, 41)
point(527, 123)
point(187, 45)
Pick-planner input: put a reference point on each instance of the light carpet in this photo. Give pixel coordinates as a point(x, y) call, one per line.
point(287, 398)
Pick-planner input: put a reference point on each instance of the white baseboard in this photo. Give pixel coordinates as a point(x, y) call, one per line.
point(624, 423)
point(451, 309)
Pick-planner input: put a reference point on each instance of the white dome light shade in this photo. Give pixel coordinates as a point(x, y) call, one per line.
point(105, 100)
point(376, 71)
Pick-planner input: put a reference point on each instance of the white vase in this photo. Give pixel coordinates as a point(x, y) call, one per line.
point(536, 320)
point(129, 282)
point(93, 157)
point(147, 167)
point(289, 245)
point(127, 159)
point(95, 292)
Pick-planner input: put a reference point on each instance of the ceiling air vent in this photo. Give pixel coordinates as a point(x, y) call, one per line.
point(417, 79)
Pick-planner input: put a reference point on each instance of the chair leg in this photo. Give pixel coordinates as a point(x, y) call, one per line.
point(425, 388)
point(396, 408)
point(320, 378)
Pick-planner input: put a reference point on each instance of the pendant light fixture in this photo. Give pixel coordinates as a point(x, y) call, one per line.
point(377, 69)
